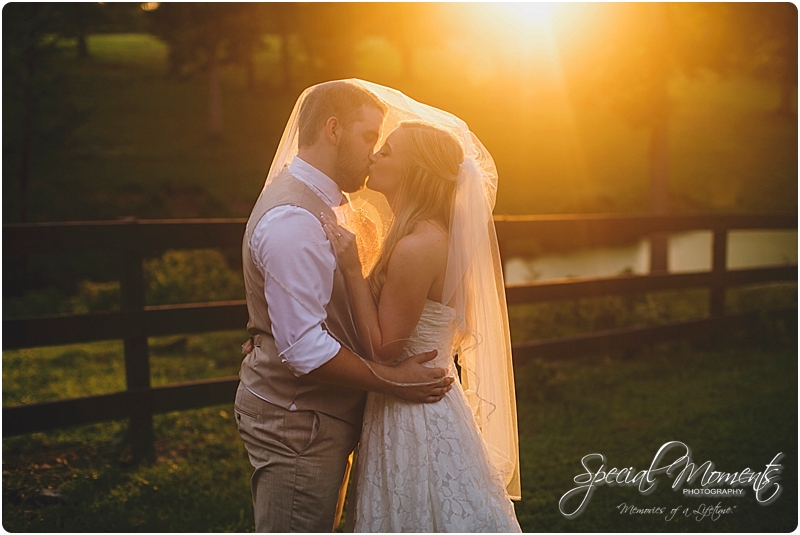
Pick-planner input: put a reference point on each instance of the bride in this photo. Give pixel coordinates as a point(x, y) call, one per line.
point(435, 283)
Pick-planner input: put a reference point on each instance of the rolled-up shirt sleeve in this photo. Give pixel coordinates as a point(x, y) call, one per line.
point(291, 250)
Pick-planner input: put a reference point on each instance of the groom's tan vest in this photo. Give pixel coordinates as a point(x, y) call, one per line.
point(262, 370)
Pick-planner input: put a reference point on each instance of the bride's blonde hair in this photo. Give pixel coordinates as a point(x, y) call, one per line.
point(426, 190)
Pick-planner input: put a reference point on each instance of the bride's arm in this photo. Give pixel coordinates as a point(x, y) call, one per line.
point(384, 329)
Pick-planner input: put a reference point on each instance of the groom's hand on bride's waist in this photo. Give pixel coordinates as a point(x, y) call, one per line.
point(429, 384)
point(410, 380)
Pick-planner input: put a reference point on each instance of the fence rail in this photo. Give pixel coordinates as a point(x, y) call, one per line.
point(116, 325)
point(135, 322)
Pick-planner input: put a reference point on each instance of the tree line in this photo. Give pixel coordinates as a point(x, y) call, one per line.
point(628, 67)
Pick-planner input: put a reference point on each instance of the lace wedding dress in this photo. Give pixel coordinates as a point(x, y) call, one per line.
point(423, 467)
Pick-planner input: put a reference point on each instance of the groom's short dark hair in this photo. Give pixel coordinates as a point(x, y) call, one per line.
point(339, 99)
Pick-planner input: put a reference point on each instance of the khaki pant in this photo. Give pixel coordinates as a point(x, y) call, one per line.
point(300, 459)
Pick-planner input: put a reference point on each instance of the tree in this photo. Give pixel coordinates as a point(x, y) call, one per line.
point(39, 109)
point(408, 26)
point(206, 36)
point(645, 46)
point(765, 45)
point(283, 21)
point(77, 20)
point(329, 33)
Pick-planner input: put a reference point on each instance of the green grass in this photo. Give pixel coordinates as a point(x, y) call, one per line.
point(129, 49)
point(51, 373)
point(195, 450)
point(566, 318)
point(733, 405)
point(732, 401)
point(199, 481)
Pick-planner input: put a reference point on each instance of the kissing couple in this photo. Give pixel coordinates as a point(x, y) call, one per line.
point(377, 319)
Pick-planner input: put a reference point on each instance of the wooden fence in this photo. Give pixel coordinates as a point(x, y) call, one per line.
point(135, 322)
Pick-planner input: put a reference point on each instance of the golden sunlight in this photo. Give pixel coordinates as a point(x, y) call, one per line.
point(528, 13)
point(517, 22)
point(533, 36)
point(528, 24)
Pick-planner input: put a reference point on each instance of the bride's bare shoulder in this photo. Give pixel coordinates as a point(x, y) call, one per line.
point(426, 241)
point(430, 235)
point(418, 262)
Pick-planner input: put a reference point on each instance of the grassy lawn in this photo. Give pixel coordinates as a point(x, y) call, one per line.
point(733, 402)
point(201, 469)
point(735, 406)
point(199, 481)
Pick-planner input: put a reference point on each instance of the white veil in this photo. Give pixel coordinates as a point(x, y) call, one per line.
point(474, 278)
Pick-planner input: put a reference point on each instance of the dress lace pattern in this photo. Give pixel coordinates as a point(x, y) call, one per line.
point(425, 467)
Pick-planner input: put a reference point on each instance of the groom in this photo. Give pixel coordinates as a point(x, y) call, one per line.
point(301, 394)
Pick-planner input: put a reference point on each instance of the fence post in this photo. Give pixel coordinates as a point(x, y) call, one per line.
point(718, 267)
point(137, 363)
point(659, 260)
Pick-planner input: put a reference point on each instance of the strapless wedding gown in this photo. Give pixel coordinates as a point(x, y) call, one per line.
point(423, 467)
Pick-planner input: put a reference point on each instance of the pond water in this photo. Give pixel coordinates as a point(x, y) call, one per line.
point(687, 252)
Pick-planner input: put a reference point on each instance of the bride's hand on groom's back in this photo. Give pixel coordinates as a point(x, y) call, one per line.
point(431, 383)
